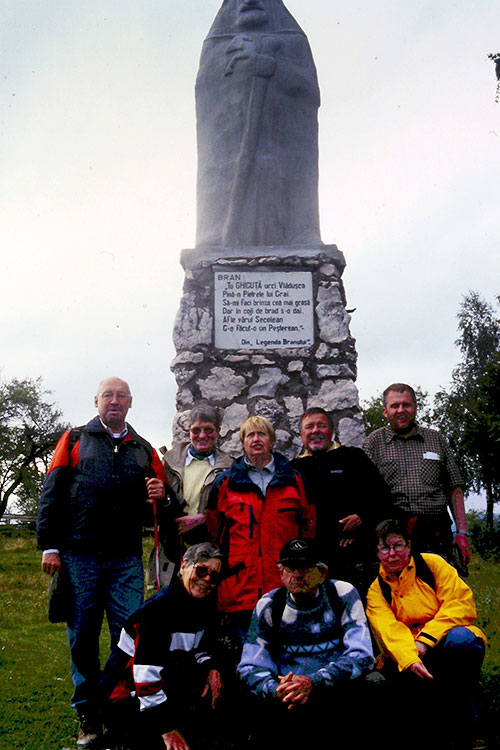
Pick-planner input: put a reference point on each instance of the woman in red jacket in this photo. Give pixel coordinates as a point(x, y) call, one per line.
point(254, 508)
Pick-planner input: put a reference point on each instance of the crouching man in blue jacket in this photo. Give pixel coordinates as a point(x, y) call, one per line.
point(308, 657)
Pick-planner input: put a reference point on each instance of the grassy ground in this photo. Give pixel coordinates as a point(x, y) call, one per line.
point(484, 579)
point(34, 662)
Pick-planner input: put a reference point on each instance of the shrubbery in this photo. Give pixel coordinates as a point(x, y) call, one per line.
point(485, 542)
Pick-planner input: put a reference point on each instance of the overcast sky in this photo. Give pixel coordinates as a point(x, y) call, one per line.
point(99, 168)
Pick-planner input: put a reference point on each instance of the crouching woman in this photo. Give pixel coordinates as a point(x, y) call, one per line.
point(160, 684)
point(422, 616)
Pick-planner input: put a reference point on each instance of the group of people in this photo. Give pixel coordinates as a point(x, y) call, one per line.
point(273, 563)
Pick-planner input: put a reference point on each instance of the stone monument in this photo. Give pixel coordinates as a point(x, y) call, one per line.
point(262, 326)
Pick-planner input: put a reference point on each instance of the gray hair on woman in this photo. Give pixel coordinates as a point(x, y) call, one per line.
point(201, 552)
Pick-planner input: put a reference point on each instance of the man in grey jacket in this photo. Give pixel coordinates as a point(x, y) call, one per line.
point(191, 468)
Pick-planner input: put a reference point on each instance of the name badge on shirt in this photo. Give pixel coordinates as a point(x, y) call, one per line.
point(430, 454)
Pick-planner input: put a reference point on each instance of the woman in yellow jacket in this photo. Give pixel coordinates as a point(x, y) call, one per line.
point(422, 616)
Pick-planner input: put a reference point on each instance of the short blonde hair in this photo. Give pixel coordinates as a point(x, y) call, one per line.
point(259, 423)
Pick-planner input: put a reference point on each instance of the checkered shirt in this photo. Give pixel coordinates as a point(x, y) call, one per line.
point(420, 470)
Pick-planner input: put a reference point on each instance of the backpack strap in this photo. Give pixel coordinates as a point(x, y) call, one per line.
point(423, 571)
point(74, 437)
point(385, 589)
point(334, 600)
point(277, 609)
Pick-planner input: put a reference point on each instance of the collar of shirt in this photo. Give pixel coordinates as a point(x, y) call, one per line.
point(403, 580)
point(292, 597)
point(114, 434)
point(190, 457)
point(270, 468)
point(330, 447)
point(390, 435)
point(261, 477)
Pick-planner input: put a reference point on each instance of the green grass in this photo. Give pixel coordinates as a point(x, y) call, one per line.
point(484, 579)
point(34, 662)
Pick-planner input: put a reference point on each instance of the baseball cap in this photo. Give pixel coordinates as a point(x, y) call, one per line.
point(299, 553)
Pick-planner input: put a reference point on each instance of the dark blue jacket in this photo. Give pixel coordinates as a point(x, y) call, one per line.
point(94, 496)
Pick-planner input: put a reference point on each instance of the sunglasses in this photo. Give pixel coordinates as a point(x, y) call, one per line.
point(203, 571)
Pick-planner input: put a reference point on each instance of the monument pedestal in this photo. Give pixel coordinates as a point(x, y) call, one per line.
point(264, 330)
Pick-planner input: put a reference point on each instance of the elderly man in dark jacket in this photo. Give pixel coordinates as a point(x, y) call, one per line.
point(103, 480)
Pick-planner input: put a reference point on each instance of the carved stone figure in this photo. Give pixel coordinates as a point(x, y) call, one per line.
point(257, 99)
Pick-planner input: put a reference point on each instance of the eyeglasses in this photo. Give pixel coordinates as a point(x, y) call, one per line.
point(108, 395)
point(200, 430)
point(385, 549)
point(203, 571)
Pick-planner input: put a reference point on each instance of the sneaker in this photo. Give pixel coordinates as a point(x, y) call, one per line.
point(90, 733)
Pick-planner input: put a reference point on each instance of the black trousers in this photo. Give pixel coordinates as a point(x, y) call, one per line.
point(129, 727)
point(346, 715)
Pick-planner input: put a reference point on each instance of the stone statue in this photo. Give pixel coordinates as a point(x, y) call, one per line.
point(257, 100)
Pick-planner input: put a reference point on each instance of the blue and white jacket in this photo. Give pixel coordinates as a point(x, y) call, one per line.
point(163, 657)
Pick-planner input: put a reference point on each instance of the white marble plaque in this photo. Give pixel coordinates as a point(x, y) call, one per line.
point(263, 309)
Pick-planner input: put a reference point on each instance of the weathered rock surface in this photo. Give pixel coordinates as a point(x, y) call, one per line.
point(275, 383)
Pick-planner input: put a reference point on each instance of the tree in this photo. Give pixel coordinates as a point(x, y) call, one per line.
point(374, 418)
point(495, 56)
point(469, 413)
point(29, 430)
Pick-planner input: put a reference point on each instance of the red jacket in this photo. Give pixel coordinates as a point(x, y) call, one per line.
point(251, 529)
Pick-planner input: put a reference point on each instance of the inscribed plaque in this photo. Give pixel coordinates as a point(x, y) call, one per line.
point(263, 309)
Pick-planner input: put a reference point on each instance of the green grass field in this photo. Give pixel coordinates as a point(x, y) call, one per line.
point(34, 662)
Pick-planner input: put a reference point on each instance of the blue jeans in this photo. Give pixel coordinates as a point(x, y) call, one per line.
point(456, 663)
point(446, 703)
point(111, 585)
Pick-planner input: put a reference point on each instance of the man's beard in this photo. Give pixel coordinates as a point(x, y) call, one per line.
point(317, 448)
point(405, 430)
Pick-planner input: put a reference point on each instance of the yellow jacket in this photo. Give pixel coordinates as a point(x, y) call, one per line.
point(417, 611)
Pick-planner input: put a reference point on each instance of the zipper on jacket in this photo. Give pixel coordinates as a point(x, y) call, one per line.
point(253, 521)
point(115, 459)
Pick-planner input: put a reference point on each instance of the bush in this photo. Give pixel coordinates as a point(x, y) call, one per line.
point(484, 541)
point(489, 702)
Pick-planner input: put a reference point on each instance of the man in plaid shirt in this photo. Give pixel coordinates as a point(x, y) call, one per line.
point(417, 464)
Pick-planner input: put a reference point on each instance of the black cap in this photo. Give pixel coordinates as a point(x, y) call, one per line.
point(298, 553)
